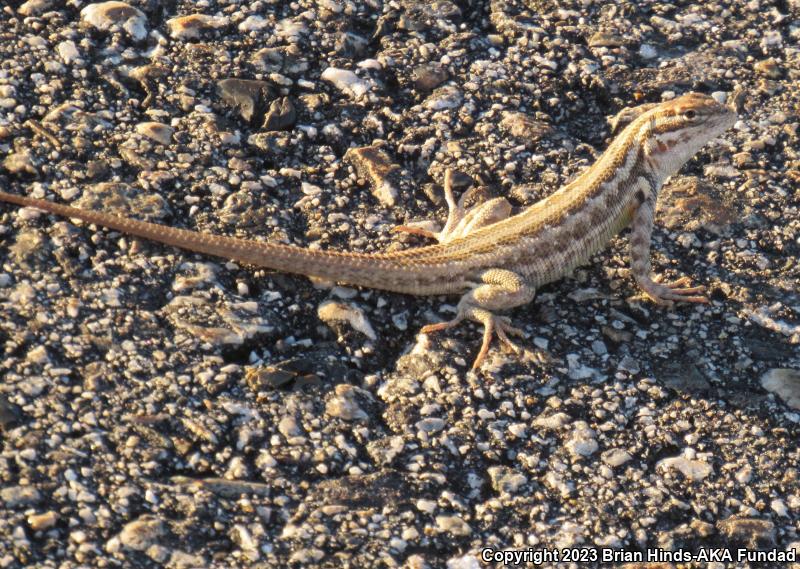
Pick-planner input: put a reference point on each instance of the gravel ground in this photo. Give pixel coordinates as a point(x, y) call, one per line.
point(159, 408)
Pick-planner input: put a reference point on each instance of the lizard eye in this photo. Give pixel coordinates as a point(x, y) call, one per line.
point(691, 114)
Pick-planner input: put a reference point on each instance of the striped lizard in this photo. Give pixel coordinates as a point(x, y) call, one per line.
point(493, 259)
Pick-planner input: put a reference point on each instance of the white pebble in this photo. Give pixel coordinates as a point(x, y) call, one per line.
point(346, 81)
point(647, 51)
point(107, 15)
point(68, 52)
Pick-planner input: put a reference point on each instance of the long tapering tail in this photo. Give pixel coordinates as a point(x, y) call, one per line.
point(382, 271)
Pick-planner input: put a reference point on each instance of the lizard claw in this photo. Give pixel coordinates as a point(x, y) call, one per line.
point(501, 326)
point(492, 324)
point(667, 294)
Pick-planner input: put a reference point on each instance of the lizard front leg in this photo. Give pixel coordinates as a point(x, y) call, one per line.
point(460, 220)
point(498, 289)
point(661, 293)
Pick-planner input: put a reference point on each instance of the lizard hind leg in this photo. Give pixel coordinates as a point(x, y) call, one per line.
point(498, 289)
point(461, 220)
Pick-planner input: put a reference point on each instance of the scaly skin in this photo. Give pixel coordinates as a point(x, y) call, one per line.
point(493, 260)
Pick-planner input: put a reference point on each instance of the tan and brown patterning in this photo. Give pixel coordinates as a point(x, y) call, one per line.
point(493, 259)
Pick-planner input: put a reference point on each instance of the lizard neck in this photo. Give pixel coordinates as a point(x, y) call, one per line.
point(599, 196)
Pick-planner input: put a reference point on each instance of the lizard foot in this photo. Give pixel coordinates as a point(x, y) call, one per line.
point(493, 290)
point(461, 220)
point(667, 294)
point(410, 229)
point(500, 325)
point(492, 324)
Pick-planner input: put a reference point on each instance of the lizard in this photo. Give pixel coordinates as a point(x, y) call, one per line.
point(493, 259)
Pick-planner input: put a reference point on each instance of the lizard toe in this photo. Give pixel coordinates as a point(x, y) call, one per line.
point(415, 230)
point(667, 294)
point(439, 326)
point(499, 325)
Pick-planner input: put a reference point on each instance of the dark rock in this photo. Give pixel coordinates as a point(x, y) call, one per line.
point(461, 180)
point(281, 115)
point(96, 169)
point(429, 76)
point(268, 378)
point(10, 413)
point(683, 377)
point(378, 490)
point(247, 96)
point(766, 348)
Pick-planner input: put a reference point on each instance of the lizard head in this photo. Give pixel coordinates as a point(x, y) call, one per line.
point(672, 132)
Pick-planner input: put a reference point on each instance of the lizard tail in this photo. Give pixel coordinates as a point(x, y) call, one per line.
point(381, 271)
